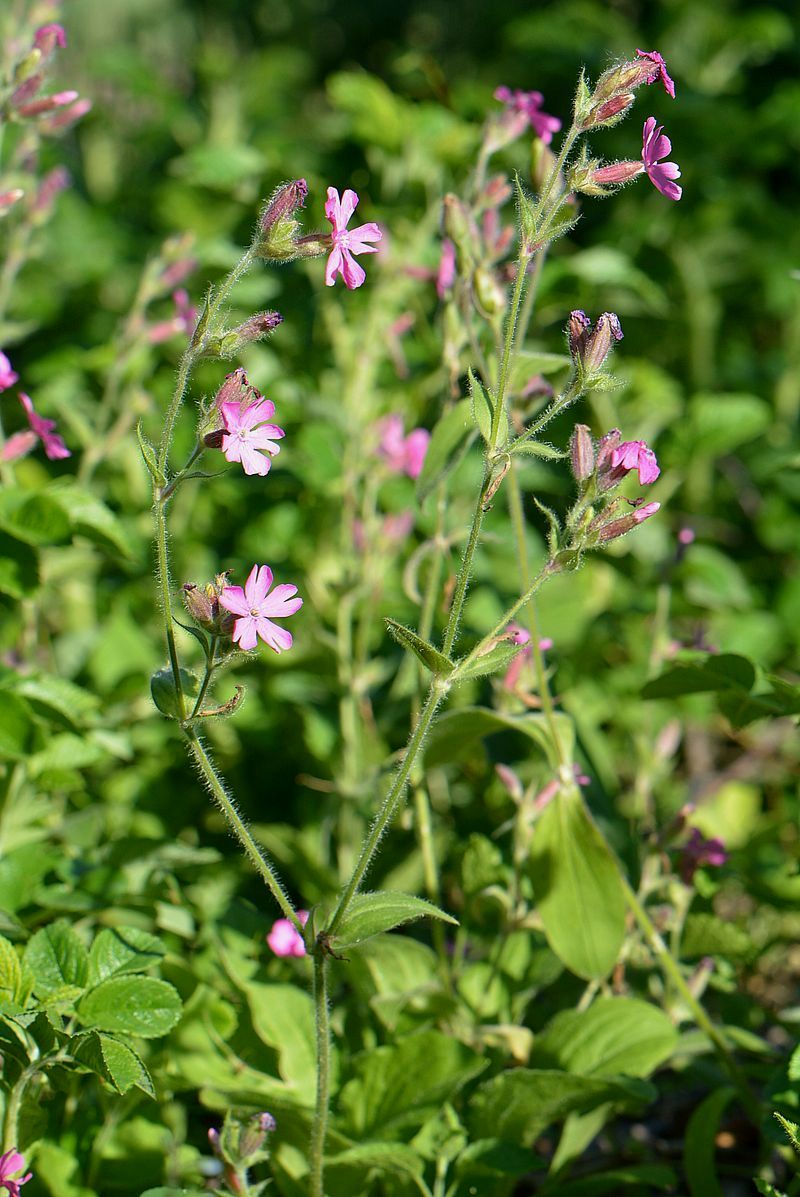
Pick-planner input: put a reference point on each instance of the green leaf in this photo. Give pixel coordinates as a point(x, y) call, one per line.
point(577, 887)
point(520, 1104)
point(21, 871)
point(58, 960)
point(430, 657)
point(766, 1189)
point(114, 1061)
point(122, 950)
point(91, 518)
point(149, 457)
point(16, 726)
point(540, 449)
point(497, 658)
point(10, 970)
point(19, 568)
point(717, 424)
point(395, 1088)
point(142, 1006)
point(727, 671)
point(792, 1131)
point(453, 736)
point(385, 1157)
point(491, 1159)
point(283, 1017)
point(482, 407)
point(164, 695)
point(614, 1036)
point(699, 1143)
point(51, 696)
point(67, 751)
point(530, 362)
point(636, 1177)
point(370, 914)
point(449, 442)
point(35, 519)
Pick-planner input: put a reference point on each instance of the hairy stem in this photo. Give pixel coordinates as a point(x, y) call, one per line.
point(322, 1022)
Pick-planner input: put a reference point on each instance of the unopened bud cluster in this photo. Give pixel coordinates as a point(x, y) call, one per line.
point(599, 467)
point(589, 346)
point(202, 603)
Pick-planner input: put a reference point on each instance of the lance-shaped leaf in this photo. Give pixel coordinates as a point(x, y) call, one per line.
point(577, 887)
point(149, 457)
point(449, 442)
point(429, 656)
point(370, 914)
point(497, 658)
point(482, 409)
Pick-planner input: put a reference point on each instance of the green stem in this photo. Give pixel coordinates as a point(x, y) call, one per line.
point(673, 972)
point(239, 827)
point(390, 804)
point(323, 1036)
point(165, 596)
point(206, 679)
point(13, 1104)
point(511, 326)
point(466, 566)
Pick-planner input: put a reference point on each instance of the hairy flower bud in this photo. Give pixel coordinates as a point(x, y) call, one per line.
point(626, 523)
point(610, 111)
point(590, 347)
point(202, 603)
point(617, 172)
point(490, 296)
point(278, 229)
point(581, 451)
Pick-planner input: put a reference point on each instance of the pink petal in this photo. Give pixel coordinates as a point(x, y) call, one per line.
point(257, 413)
point(648, 467)
point(333, 207)
point(264, 437)
point(18, 445)
point(54, 446)
point(348, 206)
point(233, 599)
point(416, 447)
point(281, 602)
point(232, 448)
point(245, 633)
point(352, 273)
point(254, 462)
point(334, 264)
point(258, 585)
point(276, 637)
point(357, 238)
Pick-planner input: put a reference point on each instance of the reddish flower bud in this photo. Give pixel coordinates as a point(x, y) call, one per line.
point(59, 99)
point(617, 172)
point(285, 201)
point(582, 453)
point(47, 37)
point(626, 523)
point(609, 111)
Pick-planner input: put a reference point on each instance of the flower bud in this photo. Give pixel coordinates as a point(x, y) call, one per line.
point(9, 198)
point(278, 229)
point(254, 1134)
point(59, 99)
point(202, 603)
point(65, 118)
point(47, 37)
point(617, 172)
point(590, 347)
point(256, 328)
point(459, 227)
point(626, 523)
point(609, 112)
point(581, 451)
point(490, 296)
point(578, 328)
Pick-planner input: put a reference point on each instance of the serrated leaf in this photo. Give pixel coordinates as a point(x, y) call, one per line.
point(119, 950)
point(114, 1061)
point(16, 726)
point(700, 1141)
point(429, 656)
point(499, 657)
point(132, 1005)
point(149, 457)
point(766, 1189)
point(449, 442)
point(10, 970)
point(370, 914)
point(67, 751)
point(792, 1130)
point(58, 960)
point(577, 887)
point(50, 695)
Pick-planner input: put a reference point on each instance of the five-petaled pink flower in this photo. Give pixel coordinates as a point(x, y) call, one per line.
point(655, 146)
point(40, 429)
point(636, 455)
point(256, 608)
point(403, 455)
point(529, 104)
point(659, 71)
point(247, 436)
point(7, 376)
point(285, 939)
point(347, 242)
point(12, 1162)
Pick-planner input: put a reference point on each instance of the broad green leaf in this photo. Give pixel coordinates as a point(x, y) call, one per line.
point(449, 442)
point(130, 1005)
point(162, 690)
point(36, 519)
point(67, 751)
point(497, 658)
point(16, 726)
point(699, 1144)
point(614, 1036)
point(57, 958)
point(21, 872)
point(429, 656)
point(530, 362)
point(91, 518)
point(396, 1087)
point(719, 423)
point(492, 1159)
point(122, 950)
point(51, 696)
point(577, 887)
point(283, 1016)
point(10, 970)
point(707, 935)
point(370, 914)
point(727, 671)
point(113, 1060)
point(454, 735)
point(19, 567)
point(385, 1157)
point(520, 1104)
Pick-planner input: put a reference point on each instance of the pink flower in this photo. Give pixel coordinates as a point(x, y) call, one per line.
point(254, 605)
point(659, 71)
point(40, 428)
point(655, 146)
point(247, 437)
point(446, 274)
point(12, 1161)
point(520, 635)
point(47, 37)
point(285, 939)
point(7, 376)
point(346, 243)
point(403, 455)
point(636, 455)
point(182, 322)
point(529, 104)
point(699, 852)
